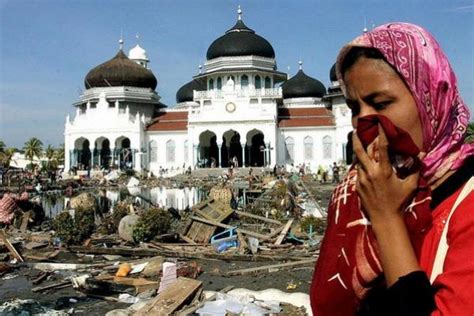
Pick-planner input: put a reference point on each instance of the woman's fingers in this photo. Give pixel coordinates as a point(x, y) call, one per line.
point(360, 152)
point(384, 159)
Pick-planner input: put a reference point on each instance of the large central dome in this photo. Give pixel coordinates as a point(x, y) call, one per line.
point(240, 41)
point(120, 71)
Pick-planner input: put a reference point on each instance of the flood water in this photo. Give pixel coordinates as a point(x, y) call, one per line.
point(178, 198)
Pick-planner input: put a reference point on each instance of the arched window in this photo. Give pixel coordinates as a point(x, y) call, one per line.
point(308, 148)
point(244, 81)
point(211, 84)
point(170, 151)
point(268, 83)
point(290, 149)
point(185, 151)
point(327, 147)
point(153, 151)
point(258, 82)
point(219, 83)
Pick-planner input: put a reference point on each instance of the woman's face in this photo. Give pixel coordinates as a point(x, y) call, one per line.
point(373, 87)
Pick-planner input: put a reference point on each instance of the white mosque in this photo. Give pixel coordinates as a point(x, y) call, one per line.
point(238, 108)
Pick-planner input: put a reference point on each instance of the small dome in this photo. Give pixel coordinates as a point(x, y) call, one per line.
point(138, 53)
point(302, 86)
point(332, 73)
point(120, 71)
point(185, 93)
point(240, 41)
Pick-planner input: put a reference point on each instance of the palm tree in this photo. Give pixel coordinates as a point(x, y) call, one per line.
point(33, 147)
point(6, 156)
point(50, 155)
point(59, 154)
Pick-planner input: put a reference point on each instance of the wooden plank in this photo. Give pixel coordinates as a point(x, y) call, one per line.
point(270, 268)
point(10, 247)
point(140, 284)
point(188, 240)
point(51, 286)
point(284, 232)
point(243, 231)
point(276, 231)
point(172, 298)
point(269, 220)
point(190, 310)
point(25, 221)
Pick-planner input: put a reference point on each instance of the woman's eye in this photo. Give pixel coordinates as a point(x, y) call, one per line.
point(381, 105)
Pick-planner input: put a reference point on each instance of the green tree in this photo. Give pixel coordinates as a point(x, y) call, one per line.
point(470, 133)
point(2, 146)
point(33, 147)
point(59, 154)
point(50, 155)
point(6, 156)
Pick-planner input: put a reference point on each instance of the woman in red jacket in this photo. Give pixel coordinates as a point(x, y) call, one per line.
point(400, 237)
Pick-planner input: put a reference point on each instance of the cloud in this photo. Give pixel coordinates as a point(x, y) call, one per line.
point(464, 8)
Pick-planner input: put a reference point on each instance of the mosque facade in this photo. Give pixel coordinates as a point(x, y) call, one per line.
point(240, 109)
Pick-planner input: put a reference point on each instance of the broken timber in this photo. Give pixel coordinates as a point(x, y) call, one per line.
point(10, 247)
point(270, 268)
point(172, 298)
point(284, 232)
point(243, 231)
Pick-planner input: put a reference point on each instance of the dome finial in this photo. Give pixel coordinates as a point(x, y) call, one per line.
point(365, 26)
point(200, 68)
point(301, 64)
point(239, 12)
point(137, 36)
point(121, 40)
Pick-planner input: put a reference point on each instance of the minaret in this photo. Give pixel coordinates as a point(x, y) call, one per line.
point(138, 54)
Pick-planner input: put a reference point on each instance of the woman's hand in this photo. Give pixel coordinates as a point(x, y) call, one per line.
point(382, 193)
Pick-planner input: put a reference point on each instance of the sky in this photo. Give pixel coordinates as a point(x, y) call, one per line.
point(47, 47)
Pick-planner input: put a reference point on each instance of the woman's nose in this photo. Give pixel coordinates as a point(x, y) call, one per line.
point(366, 110)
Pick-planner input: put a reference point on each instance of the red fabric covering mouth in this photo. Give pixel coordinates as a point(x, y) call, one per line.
point(400, 142)
point(402, 151)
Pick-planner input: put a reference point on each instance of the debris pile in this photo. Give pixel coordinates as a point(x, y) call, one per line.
point(144, 259)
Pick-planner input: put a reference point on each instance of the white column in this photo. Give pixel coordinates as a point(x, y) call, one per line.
point(220, 155)
point(243, 154)
point(267, 151)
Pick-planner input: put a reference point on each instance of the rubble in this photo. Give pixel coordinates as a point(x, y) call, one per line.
point(160, 260)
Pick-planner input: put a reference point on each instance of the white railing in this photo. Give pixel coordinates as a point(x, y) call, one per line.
point(219, 94)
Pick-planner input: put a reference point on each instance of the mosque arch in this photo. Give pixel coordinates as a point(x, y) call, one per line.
point(327, 147)
point(211, 84)
point(219, 83)
point(208, 152)
point(308, 148)
point(124, 152)
point(244, 81)
point(170, 151)
point(290, 149)
point(268, 83)
point(102, 153)
point(255, 153)
point(231, 149)
point(153, 153)
point(258, 82)
point(81, 157)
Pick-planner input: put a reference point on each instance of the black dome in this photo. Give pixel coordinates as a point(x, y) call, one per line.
point(332, 73)
point(185, 93)
point(302, 86)
point(120, 71)
point(240, 41)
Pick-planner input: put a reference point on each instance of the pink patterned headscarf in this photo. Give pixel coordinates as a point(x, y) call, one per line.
point(419, 60)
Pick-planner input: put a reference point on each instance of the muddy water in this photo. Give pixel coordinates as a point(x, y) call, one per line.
point(178, 198)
